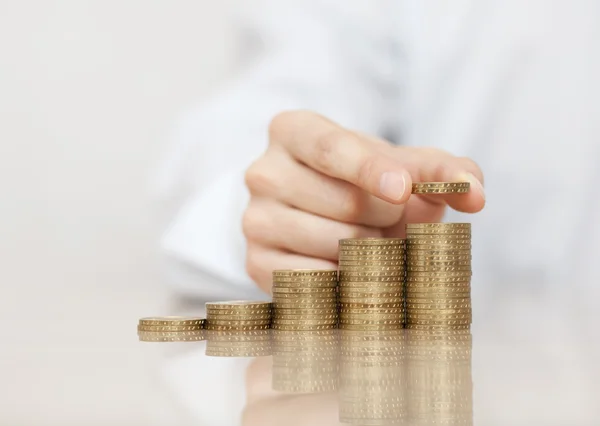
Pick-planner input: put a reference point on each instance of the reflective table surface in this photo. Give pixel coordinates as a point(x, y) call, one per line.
point(404, 377)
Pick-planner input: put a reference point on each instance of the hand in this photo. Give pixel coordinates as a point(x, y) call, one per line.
point(318, 182)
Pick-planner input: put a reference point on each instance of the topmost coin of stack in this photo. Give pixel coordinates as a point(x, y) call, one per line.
point(438, 276)
point(304, 299)
point(371, 283)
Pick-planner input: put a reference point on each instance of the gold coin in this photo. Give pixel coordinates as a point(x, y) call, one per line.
point(439, 225)
point(369, 294)
point(306, 285)
point(398, 264)
point(304, 327)
point(371, 316)
point(372, 327)
point(238, 305)
point(375, 311)
point(236, 328)
point(436, 290)
point(332, 310)
point(393, 272)
point(435, 248)
point(352, 321)
point(440, 187)
point(169, 327)
point(371, 251)
point(442, 241)
point(434, 233)
point(371, 305)
point(260, 317)
point(305, 304)
point(296, 316)
point(346, 286)
point(300, 290)
point(172, 321)
point(243, 313)
point(371, 241)
point(370, 281)
point(305, 321)
point(244, 323)
point(437, 231)
point(305, 273)
point(375, 290)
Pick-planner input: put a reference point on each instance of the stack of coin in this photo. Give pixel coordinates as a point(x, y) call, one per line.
point(438, 276)
point(372, 377)
point(238, 343)
point(438, 377)
point(170, 329)
point(238, 315)
point(371, 277)
point(305, 361)
point(304, 299)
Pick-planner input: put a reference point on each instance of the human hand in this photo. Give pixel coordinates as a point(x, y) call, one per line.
point(318, 182)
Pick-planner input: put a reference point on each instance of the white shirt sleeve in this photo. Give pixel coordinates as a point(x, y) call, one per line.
point(336, 58)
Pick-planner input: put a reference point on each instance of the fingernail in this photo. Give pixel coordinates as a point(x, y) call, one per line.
point(392, 185)
point(475, 183)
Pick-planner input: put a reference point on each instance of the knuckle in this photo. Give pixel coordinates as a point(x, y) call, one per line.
point(472, 166)
point(253, 264)
point(325, 148)
point(258, 177)
point(430, 151)
point(351, 206)
point(366, 171)
point(285, 121)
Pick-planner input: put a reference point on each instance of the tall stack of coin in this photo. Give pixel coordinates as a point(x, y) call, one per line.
point(371, 276)
point(438, 377)
point(238, 315)
point(438, 276)
point(304, 299)
point(372, 377)
point(252, 343)
point(305, 361)
point(170, 329)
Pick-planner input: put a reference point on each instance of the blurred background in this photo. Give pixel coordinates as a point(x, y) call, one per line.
point(89, 92)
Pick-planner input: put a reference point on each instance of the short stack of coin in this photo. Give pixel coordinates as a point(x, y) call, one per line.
point(170, 329)
point(439, 383)
point(304, 299)
point(238, 315)
point(305, 361)
point(371, 276)
point(253, 343)
point(438, 276)
point(372, 377)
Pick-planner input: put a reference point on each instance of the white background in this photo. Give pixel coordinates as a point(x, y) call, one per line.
point(88, 92)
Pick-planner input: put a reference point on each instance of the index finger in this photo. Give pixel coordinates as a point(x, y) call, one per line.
point(339, 153)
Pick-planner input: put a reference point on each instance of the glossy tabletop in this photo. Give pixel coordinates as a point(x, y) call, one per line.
point(401, 377)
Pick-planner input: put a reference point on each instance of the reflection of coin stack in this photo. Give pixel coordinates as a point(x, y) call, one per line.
point(238, 315)
point(438, 377)
point(438, 276)
point(238, 343)
point(305, 361)
point(371, 283)
point(170, 329)
point(371, 377)
point(304, 300)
